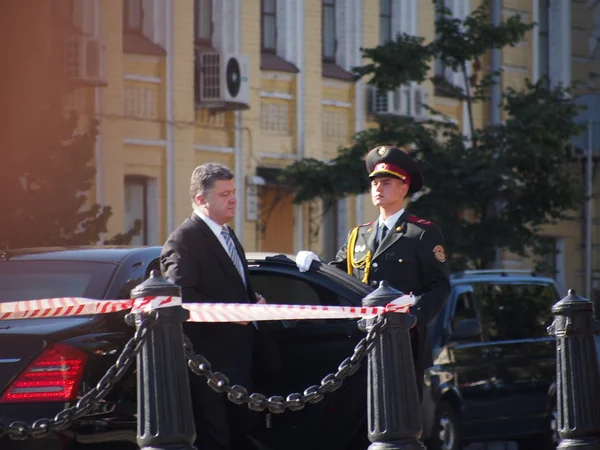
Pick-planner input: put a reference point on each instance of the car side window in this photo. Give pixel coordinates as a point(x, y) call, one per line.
point(464, 309)
point(287, 289)
point(516, 311)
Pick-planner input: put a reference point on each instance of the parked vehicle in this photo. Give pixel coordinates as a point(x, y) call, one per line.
point(493, 373)
point(310, 349)
point(494, 363)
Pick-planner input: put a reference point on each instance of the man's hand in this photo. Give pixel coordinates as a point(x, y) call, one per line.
point(260, 300)
point(304, 259)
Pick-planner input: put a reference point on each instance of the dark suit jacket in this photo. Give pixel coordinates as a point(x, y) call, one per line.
point(194, 259)
point(411, 258)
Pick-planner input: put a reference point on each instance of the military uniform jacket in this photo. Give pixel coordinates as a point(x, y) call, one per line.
point(411, 258)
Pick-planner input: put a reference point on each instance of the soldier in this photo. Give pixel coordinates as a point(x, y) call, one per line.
point(406, 251)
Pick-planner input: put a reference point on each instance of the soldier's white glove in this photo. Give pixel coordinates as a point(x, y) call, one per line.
point(405, 300)
point(304, 259)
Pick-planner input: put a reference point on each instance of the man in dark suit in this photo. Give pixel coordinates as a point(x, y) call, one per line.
point(204, 257)
point(404, 250)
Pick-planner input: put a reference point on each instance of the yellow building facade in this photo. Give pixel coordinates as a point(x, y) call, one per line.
point(258, 84)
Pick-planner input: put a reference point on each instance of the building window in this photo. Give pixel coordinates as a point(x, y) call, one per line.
point(329, 43)
point(335, 126)
point(133, 15)
point(141, 203)
point(543, 38)
point(439, 67)
point(203, 20)
point(269, 26)
point(385, 21)
point(274, 118)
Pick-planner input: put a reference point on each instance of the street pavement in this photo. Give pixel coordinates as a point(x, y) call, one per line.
point(498, 445)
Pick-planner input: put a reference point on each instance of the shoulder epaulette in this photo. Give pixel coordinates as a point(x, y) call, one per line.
point(364, 224)
point(415, 219)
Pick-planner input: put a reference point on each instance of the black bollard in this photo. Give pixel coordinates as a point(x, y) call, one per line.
point(393, 408)
point(165, 416)
point(577, 377)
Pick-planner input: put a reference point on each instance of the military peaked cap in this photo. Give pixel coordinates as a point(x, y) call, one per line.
point(391, 161)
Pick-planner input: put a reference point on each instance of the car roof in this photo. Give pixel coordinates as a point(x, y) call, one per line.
point(99, 253)
point(499, 276)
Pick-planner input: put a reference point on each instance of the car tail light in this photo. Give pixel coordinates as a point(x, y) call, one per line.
point(54, 376)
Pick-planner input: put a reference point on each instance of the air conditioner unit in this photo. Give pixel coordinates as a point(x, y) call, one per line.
point(420, 103)
point(85, 59)
point(223, 80)
point(391, 103)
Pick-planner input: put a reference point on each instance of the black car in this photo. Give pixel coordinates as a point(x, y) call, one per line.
point(490, 347)
point(309, 349)
point(494, 368)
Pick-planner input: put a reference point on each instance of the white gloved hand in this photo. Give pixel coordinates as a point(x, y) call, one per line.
point(405, 300)
point(304, 259)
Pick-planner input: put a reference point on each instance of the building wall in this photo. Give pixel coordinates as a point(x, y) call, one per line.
point(152, 128)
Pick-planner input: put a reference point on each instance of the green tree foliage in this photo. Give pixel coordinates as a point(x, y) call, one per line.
point(491, 190)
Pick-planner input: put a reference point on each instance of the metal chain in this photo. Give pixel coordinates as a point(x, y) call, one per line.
point(42, 427)
point(217, 381)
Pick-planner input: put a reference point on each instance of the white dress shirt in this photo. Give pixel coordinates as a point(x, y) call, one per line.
point(389, 223)
point(215, 227)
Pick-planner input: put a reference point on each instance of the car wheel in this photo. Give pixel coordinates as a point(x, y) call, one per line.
point(446, 433)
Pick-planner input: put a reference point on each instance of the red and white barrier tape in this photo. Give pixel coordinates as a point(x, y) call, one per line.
point(199, 312)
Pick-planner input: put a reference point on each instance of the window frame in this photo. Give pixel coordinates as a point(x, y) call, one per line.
point(543, 36)
point(197, 16)
point(140, 180)
point(127, 5)
point(387, 18)
point(329, 4)
point(264, 14)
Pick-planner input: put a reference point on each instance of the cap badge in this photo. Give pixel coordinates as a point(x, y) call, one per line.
point(382, 151)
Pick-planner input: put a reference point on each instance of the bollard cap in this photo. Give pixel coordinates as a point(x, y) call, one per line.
point(155, 285)
point(572, 303)
point(381, 296)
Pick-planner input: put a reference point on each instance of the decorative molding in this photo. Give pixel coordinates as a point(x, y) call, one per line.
point(213, 149)
point(344, 85)
point(515, 69)
point(336, 103)
point(143, 58)
point(446, 101)
point(276, 76)
point(509, 12)
point(145, 142)
point(274, 94)
point(142, 78)
point(285, 156)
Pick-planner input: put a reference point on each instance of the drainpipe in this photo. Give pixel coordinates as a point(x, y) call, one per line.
point(299, 209)
point(239, 176)
point(170, 119)
point(98, 112)
point(359, 96)
point(495, 94)
point(238, 138)
point(588, 211)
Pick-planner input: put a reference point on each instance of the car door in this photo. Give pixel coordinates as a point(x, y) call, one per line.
point(468, 364)
point(515, 321)
point(310, 350)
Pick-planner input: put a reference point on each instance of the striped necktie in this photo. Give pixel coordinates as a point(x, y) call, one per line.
point(232, 251)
